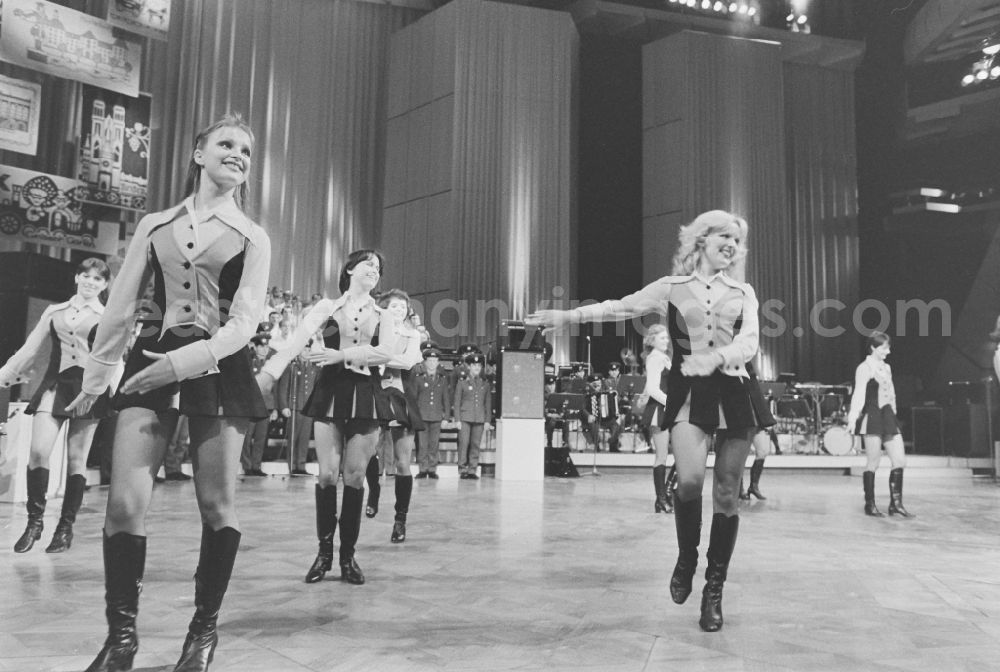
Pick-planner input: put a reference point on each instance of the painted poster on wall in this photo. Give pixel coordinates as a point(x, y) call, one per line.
point(60, 41)
point(40, 208)
point(113, 156)
point(20, 102)
point(145, 17)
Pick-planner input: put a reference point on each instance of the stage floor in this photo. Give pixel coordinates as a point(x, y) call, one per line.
point(557, 575)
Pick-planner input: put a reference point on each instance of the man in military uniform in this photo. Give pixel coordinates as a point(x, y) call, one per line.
point(256, 438)
point(433, 394)
point(291, 392)
point(472, 406)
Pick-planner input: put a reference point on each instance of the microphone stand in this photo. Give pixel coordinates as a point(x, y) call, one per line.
point(293, 407)
point(988, 384)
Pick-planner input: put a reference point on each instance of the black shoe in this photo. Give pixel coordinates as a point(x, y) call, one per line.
point(38, 484)
point(422, 474)
point(124, 561)
point(371, 508)
point(215, 567)
point(687, 518)
point(254, 472)
point(398, 532)
point(464, 476)
point(432, 475)
point(720, 551)
point(472, 477)
point(351, 572)
point(323, 562)
point(755, 471)
point(299, 471)
point(896, 494)
point(177, 476)
point(868, 479)
point(62, 539)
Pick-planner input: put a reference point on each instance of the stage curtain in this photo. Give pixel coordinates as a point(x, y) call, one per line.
point(309, 76)
point(823, 193)
point(713, 122)
point(480, 187)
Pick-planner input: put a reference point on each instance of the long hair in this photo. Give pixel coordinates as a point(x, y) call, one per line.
point(242, 195)
point(692, 242)
point(355, 258)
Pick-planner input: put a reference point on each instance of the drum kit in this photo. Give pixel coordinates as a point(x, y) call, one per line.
point(811, 417)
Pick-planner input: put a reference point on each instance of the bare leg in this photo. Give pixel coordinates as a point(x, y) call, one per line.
point(141, 437)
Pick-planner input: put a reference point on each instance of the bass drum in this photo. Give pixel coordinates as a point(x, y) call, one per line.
point(838, 440)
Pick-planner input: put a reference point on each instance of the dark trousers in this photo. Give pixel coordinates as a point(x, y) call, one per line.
point(469, 437)
point(300, 442)
point(253, 445)
point(427, 446)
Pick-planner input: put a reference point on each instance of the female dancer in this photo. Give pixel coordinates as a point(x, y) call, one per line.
point(209, 265)
point(397, 384)
point(71, 327)
point(346, 404)
point(713, 326)
point(655, 348)
point(873, 416)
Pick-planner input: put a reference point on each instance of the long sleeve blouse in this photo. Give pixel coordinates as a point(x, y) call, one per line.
point(357, 324)
point(716, 314)
point(656, 363)
point(871, 369)
point(71, 326)
point(210, 271)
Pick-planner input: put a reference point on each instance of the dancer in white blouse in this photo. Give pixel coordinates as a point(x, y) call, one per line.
point(69, 329)
point(873, 417)
point(209, 265)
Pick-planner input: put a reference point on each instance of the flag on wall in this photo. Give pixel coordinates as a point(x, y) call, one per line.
point(113, 149)
point(19, 109)
point(145, 17)
point(40, 208)
point(60, 41)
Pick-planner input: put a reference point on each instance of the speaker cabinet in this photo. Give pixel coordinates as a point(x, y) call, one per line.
point(966, 430)
point(522, 384)
point(927, 425)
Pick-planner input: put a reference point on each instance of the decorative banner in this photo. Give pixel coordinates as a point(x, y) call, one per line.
point(19, 108)
point(63, 42)
point(145, 17)
point(43, 209)
point(113, 157)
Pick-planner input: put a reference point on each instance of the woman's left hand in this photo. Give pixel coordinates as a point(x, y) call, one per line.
point(154, 376)
point(701, 365)
point(82, 404)
point(326, 357)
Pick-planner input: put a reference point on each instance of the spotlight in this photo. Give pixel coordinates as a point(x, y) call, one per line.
point(705, 4)
point(743, 9)
point(718, 6)
point(751, 11)
point(992, 49)
point(995, 72)
point(968, 79)
point(732, 7)
point(982, 74)
point(802, 19)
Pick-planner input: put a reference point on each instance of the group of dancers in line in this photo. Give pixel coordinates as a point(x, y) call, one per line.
point(208, 263)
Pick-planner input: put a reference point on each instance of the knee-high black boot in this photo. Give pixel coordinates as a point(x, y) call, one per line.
point(404, 490)
point(374, 489)
point(896, 494)
point(38, 484)
point(124, 562)
point(215, 567)
point(720, 549)
point(326, 524)
point(687, 518)
point(755, 471)
point(350, 528)
point(72, 499)
point(660, 487)
point(868, 478)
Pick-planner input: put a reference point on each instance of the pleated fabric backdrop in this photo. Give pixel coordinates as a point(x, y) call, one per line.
point(309, 76)
point(479, 187)
point(729, 124)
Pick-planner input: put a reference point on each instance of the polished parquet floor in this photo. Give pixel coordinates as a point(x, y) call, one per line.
point(557, 575)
